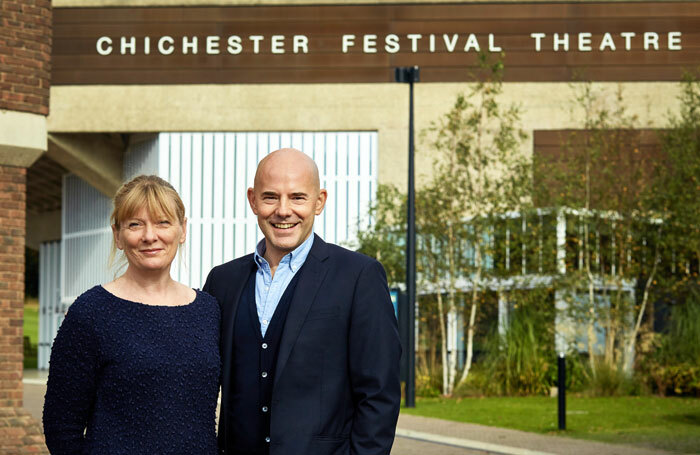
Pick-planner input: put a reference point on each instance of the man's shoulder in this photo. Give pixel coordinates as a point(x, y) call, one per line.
point(348, 257)
point(234, 265)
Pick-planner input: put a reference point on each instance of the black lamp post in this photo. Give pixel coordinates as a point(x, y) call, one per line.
point(410, 74)
point(561, 390)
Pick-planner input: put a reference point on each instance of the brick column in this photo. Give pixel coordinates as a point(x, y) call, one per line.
point(25, 58)
point(12, 215)
point(19, 432)
point(25, 55)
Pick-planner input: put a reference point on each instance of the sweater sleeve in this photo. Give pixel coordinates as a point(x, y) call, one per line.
point(70, 389)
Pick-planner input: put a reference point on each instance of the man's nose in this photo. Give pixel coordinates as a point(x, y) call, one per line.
point(284, 208)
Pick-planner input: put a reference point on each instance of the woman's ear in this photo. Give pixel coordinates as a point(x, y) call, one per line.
point(117, 240)
point(183, 236)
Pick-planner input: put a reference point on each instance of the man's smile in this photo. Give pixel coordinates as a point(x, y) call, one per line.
point(284, 225)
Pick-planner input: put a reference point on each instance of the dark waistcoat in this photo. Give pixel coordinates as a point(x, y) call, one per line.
point(254, 359)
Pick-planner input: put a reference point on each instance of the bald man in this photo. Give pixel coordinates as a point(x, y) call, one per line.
point(309, 340)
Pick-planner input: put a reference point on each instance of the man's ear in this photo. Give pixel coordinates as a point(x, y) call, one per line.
point(251, 200)
point(321, 201)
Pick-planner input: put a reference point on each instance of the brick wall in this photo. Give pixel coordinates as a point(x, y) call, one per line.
point(20, 434)
point(12, 228)
point(25, 55)
point(25, 67)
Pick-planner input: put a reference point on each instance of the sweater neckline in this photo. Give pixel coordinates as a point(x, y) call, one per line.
point(133, 302)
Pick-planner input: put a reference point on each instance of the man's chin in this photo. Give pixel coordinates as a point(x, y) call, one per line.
point(285, 243)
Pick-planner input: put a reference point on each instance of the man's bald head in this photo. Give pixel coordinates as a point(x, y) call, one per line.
point(286, 197)
point(288, 160)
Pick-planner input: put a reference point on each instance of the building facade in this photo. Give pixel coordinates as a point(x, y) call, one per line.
point(25, 65)
point(198, 91)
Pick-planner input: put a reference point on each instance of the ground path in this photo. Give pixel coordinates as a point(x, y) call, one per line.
point(427, 436)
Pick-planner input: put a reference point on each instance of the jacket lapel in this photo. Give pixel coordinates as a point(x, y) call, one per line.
point(309, 283)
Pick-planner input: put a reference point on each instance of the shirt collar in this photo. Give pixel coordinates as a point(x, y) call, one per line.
point(293, 260)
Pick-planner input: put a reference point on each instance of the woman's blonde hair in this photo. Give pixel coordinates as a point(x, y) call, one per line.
point(151, 192)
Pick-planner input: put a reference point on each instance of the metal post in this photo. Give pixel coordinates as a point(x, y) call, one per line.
point(410, 75)
point(561, 386)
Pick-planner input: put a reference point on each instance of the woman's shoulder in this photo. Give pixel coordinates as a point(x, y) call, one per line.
point(207, 299)
point(210, 306)
point(87, 308)
point(91, 300)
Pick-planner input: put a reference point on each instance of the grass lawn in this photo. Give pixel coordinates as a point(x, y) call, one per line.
point(663, 423)
point(31, 328)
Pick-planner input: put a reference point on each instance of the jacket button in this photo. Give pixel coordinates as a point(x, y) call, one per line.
point(267, 439)
point(264, 374)
point(264, 345)
point(264, 409)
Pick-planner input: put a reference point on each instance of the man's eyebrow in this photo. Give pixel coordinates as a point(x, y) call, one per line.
point(268, 193)
point(299, 194)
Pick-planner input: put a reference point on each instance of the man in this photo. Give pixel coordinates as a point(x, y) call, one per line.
point(309, 340)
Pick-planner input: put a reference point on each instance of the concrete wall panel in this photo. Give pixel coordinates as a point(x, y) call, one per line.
point(333, 107)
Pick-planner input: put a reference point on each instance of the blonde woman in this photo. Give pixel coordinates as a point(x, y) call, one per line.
point(135, 365)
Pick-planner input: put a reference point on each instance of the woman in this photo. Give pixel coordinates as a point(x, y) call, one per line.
point(135, 365)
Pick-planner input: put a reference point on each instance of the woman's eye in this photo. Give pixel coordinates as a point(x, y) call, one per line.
point(134, 225)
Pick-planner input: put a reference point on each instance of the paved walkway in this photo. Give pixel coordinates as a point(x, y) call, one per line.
point(492, 440)
point(426, 436)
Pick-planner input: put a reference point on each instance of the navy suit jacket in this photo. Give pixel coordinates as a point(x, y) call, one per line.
point(336, 385)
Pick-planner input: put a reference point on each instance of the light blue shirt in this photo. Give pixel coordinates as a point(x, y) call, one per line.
point(269, 289)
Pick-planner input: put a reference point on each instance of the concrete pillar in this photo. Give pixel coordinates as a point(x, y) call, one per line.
point(25, 52)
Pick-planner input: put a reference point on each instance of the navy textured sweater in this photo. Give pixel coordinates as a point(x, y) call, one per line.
point(141, 379)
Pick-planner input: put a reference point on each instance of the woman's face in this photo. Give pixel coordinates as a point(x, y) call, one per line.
point(149, 244)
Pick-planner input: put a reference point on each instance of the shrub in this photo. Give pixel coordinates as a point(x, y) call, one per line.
point(522, 361)
point(427, 383)
point(475, 384)
point(672, 367)
point(578, 374)
point(608, 381)
point(679, 379)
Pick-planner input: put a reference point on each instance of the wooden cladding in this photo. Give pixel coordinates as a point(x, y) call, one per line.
point(621, 165)
point(338, 44)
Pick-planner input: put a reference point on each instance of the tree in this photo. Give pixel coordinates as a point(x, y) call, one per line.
point(676, 191)
point(603, 183)
point(479, 173)
point(675, 199)
point(385, 239)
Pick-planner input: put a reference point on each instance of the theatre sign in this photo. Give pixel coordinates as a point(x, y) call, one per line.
point(317, 44)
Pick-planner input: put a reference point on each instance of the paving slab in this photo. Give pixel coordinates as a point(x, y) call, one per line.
point(408, 446)
point(511, 442)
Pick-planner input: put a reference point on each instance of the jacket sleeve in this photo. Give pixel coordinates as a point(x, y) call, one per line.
point(208, 283)
point(211, 289)
point(374, 354)
point(70, 389)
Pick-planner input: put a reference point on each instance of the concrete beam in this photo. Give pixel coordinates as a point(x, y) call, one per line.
point(42, 227)
point(95, 158)
point(22, 138)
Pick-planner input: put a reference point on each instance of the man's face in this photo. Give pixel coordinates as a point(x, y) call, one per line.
point(286, 199)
